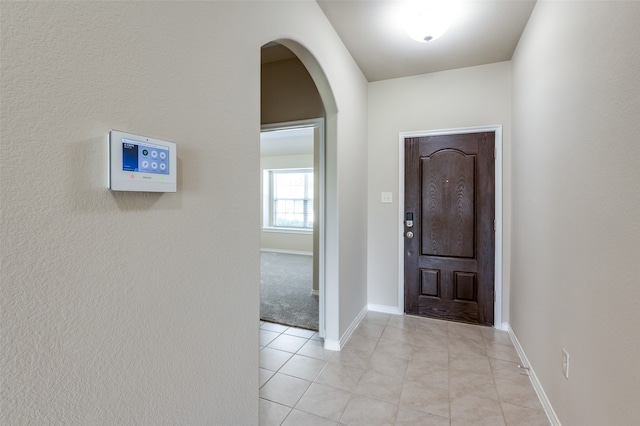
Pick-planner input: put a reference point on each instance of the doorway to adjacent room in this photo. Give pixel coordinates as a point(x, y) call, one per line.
point(292, 167)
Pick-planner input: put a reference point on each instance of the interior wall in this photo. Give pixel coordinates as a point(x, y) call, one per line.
point(288, 93)
point(576, 204)
point(467, 97)
point(113, 303)
point(350, 158)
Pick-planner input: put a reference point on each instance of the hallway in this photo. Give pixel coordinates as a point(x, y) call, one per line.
point(395, 370)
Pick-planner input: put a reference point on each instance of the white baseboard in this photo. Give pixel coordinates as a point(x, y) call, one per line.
point(503, 326)
point(302, 253)
point(332, 344)
point(385, 309)
point(335, 345)
point(537, 386)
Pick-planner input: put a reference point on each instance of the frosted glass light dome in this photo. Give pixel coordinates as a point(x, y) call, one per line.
point(428, 20)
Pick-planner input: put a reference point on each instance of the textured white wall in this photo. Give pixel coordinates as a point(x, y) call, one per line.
point(475, 96)
point(352, 203)
point(576, 206)
point(132, 308)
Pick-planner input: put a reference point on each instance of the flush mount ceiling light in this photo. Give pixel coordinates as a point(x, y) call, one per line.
point(427, 20)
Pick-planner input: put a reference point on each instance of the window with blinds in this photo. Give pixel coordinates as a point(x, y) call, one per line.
point(291, 198)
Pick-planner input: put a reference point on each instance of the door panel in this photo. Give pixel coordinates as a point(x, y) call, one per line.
point(447, 185)
point(449, 261)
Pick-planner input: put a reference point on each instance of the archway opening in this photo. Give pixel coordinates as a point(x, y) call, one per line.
point(293, 187)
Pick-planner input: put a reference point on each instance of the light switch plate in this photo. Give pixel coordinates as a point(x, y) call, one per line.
point(387, 197)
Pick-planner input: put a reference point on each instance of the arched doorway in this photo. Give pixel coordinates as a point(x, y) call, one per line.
point(293, 95)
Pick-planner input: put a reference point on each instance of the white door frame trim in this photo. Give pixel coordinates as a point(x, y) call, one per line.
point(497, 306)
point(318, 123)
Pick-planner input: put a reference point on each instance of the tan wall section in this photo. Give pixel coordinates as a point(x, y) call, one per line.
point(288, 93)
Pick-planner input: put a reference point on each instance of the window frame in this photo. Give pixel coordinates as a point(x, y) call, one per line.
point(269, 208)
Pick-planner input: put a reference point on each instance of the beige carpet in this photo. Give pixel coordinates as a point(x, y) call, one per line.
point(286, 281)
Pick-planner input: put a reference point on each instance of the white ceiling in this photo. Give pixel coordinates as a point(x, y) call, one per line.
point(297, 141)
point(485, 32)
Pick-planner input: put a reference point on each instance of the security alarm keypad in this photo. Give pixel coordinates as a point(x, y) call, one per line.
point(139, 163)
point(144, 157)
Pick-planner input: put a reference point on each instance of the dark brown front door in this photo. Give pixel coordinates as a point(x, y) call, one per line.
point(449, 249)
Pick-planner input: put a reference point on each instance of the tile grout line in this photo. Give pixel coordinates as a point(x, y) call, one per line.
point(493, 377)
point(488, 341)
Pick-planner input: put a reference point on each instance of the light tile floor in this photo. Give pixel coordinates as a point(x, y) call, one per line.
point(395, 370)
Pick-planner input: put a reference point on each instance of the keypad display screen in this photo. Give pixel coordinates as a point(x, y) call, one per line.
point(144, 157)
